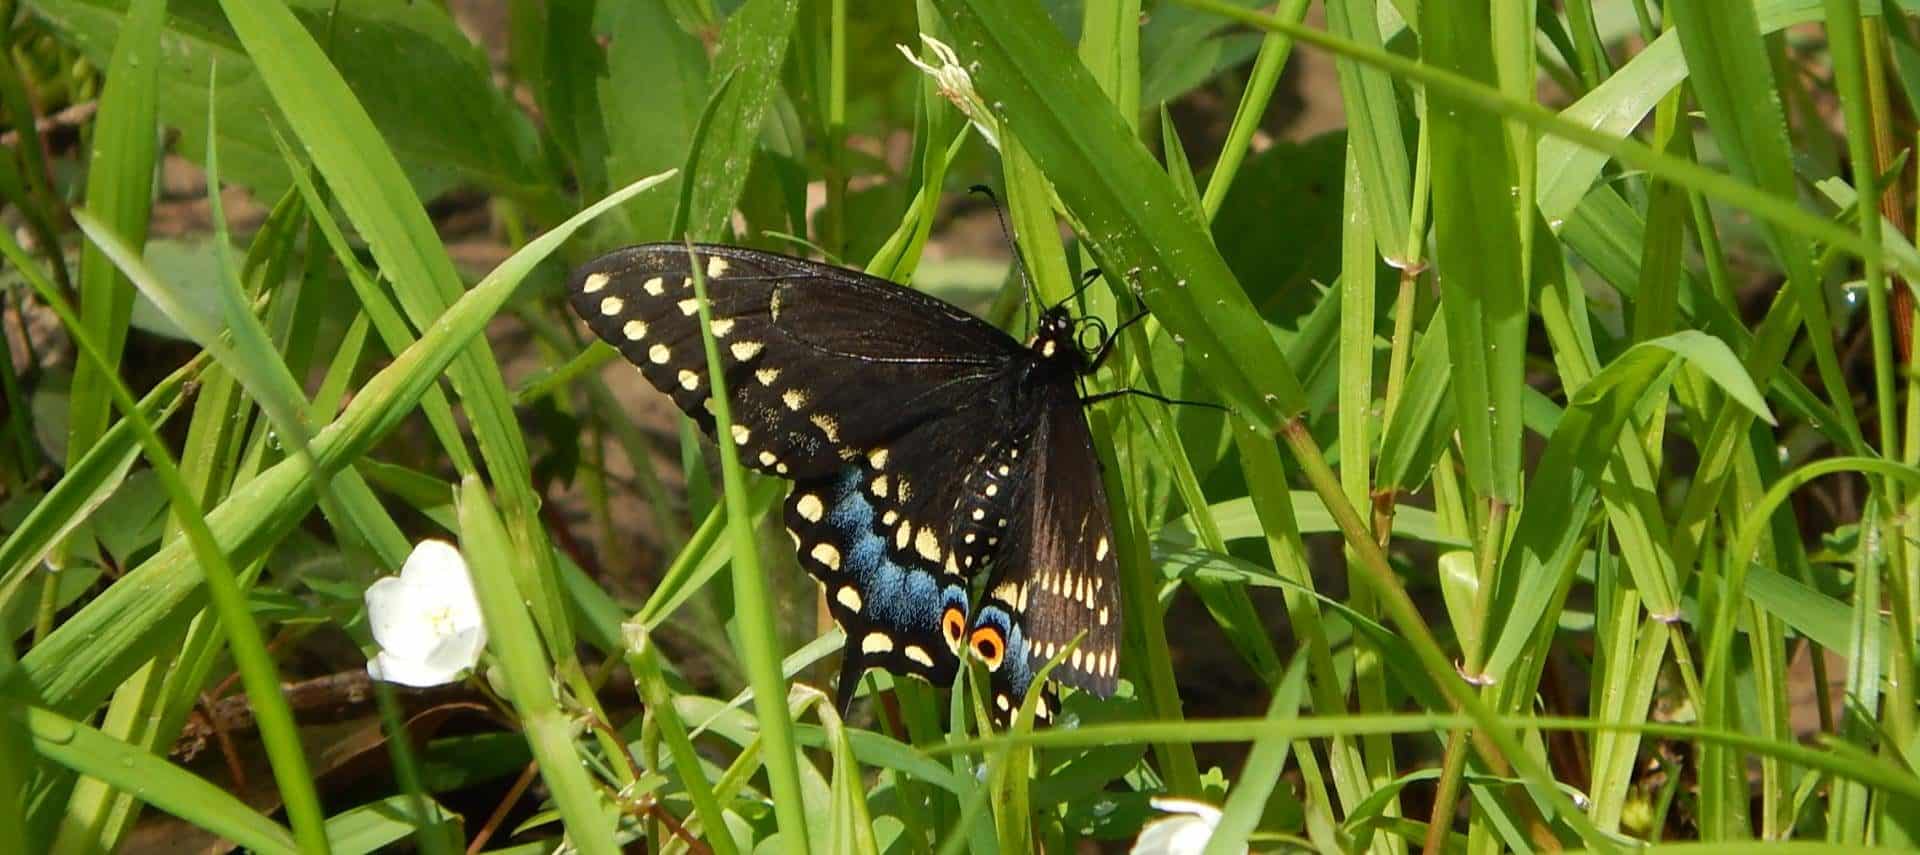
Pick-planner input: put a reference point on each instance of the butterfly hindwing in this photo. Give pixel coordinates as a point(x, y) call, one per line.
point(904, 615)
point(1055, 573)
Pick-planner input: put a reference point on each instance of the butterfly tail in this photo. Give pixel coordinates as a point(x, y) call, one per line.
point(852, 667)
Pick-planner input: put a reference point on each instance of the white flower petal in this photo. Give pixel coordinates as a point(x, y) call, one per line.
point(409, 672)
point(393, 617)
point(458, 651)
point(1186, 833)
point(426, 620)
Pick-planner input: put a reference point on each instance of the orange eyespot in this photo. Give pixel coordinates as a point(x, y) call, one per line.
point(989, 646)
point(954, 624)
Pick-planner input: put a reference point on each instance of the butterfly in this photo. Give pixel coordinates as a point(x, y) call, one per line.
point(926, 447)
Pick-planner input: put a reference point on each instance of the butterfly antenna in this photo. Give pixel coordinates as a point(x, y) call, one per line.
point(1086, 281)
point(1019, 261)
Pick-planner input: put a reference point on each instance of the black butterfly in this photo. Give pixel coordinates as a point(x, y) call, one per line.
point(926, 447)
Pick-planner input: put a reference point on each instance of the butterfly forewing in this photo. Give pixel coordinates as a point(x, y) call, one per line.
point(823, 365)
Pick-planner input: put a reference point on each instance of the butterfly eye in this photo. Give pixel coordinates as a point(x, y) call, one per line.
point(954, 624)
point(988, 646)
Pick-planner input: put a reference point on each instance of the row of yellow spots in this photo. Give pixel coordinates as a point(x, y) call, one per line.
point(1101, 664)
point(880, 642)
point(1005, 703)
point(1081, 588)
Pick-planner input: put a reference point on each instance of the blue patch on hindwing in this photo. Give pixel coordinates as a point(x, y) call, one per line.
point(896, 597)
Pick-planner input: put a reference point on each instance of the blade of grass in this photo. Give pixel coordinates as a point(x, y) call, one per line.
point(515, 644)
point(753, 610)
point(1374, 133)
point(258, 674)
point(1358, 290)
point(366, 179)
point(1266, 759)
point(160, 783)
point(1477, 255)
point(1275, 49)
point(643, 658)
point(105, 641)
point(120, 192)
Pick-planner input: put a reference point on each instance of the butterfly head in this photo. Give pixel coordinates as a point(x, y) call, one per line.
point(1065, 340)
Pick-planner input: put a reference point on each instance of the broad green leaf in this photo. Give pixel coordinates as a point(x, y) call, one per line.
point(745, 77)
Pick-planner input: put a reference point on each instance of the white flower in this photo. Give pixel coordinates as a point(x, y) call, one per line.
point(426, 620)
point(1184, 834)
point(956, 85)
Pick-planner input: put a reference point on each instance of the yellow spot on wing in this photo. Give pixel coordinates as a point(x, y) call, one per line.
point(745, 350)
point(689, 380)
point(611, 306)
point(635, 330)
point(826, 554)
point(918, 654)
point(741, 433)
point(827, 426)
point(794, 398)
point(594, 283)
point(689, 306)
point(721, 326)
point(849, 597)
point(927, 544)
point(659, 354)
point(876, 642)
point(654, 287)
point(716, 267)
point(810, 507)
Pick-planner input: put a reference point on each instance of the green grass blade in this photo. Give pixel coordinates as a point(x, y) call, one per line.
point(516, 645)
point(158, 782)
point(1374, 132)
point(1477, 254)
point(371, 187)
point(120, 192)
point(1130, 212)
point(753, 610)
point(97, 648)
point(244, 639)
point(1247, 801)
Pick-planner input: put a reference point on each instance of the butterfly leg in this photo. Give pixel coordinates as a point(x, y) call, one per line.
point(1106, 345)
point(1090, 400)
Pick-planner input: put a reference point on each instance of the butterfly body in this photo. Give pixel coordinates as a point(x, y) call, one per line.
point(928, 451)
